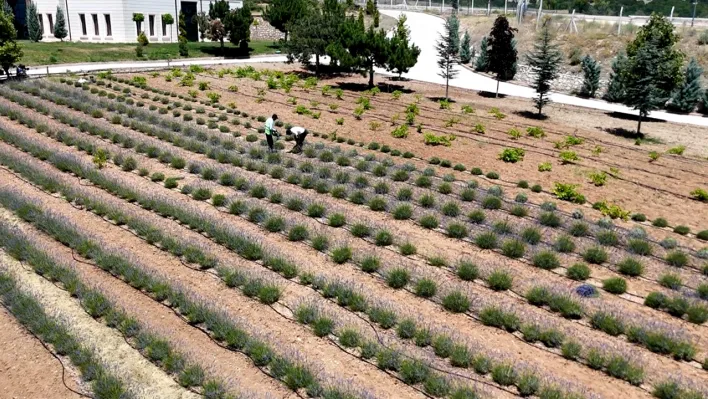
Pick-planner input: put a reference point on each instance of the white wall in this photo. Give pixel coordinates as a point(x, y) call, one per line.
point(121, 12)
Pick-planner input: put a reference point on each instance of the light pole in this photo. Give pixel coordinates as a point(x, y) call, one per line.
point(694, 12)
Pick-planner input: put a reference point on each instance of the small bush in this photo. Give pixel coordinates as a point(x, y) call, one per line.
point(500, 280)
point(429, 221)
point(476, 216)
point(682, 230)
point(456, 302)
point(425, 288)
point(341, 254)
point(660, 222)
point(491, 202)
point(549, 219)
point(676, 258)
point(487, 240)
point(615, 285)
point(513, 248)
point(595, 255)
point(630, 267)
point(398, 278)
point(578, 272)
point(546, 260)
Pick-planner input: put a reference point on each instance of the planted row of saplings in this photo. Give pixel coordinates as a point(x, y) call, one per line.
point(292, 372)
point(386, 358)
point(130, 163)
point(29, 312)
point(153, 347)
point(356, 301)
point(453, 298)
point(141, 84)
point(639, 246)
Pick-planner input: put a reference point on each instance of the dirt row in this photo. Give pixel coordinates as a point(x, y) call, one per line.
point(139, 375)
point(140, 179)
point(27, 369)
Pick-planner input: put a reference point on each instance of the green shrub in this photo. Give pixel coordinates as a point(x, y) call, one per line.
point(564, 244)
point(512, 155)
point(403, 212)
point(531, 235)
point(676, 258)
point(578, 272)
point(549, 219)
point(467, 271)
point(476, 216)
point(491, 202)
point(513, 248)
point(397, 278)
point(595, 255)
point(456, 230)
point(456, 302)
point(360, 230)
point(500, 280)
point(426, 288)
point(660, 222)
point(682, 230)
point(337, 220)
point(536, 188)
point(546, 260)
point(607, 323)
point(607, 238)
point(486, 240)
point(639, 246)
point(383, 238)
point(429, 221)
point(341, 254)
point(615, 285)
point(298, 233)
point(630, 267)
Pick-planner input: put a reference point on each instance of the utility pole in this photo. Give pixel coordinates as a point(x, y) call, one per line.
point(489, 7)
point(540, 11)
point(619, 23)
point(694, 12)
point(671, 17)
point(505, 7)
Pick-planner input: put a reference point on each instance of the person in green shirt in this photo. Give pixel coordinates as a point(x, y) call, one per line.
point(270, 131)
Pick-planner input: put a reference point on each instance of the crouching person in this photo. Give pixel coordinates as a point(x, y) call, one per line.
point(299, 133)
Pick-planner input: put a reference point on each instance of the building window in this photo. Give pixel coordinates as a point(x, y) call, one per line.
point(50, 17)
point(41, 23)
point(82, 17)
point(109, 31)
point(164, 26)
point(94, 17)
point(151, 19)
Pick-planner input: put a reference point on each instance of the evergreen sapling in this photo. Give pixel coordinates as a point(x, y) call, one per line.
point(643, 92)
point(482, 62)
point(616, 87)
point(502, 52)
point(544, 61)
point(60, 25)
point(448, 48)
point(33, 29)
point(684, 98)
point(591, 76)
point(465, 49)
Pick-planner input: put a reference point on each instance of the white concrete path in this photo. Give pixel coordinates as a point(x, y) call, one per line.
point(425, 31)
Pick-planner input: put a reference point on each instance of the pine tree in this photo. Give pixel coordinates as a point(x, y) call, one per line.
point(465, 50)
point(60, 25)
point(202, 21)
point(448, 48)
point(218, 10)
point(482, 63)
point(643, 92)
point(7, 9)
point(455, 6)
point(402, 54)
point(182, 39)
point(280, 13)
point(591, 76)
point(33, 29)
point(238, 24)
point(502, 54)
point(684, 98)
point(544, 61)
point(616, 87)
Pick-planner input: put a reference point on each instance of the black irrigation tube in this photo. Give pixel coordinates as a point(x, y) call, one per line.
point(509, 182)
point(356, 314)
point(336, 344)
point(517, 337)
point(650, 255)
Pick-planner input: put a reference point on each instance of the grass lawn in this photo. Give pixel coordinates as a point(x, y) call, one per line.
point(68, 53)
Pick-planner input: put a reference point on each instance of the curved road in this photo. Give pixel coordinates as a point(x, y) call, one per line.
point(425, 31)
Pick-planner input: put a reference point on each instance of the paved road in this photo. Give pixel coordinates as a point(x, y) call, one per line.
point(425, 31)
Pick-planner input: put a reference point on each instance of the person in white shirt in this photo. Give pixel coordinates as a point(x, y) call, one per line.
point(299, 133)
point(270, 131)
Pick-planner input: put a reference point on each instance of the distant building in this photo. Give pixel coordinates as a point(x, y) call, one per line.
point(111, 21)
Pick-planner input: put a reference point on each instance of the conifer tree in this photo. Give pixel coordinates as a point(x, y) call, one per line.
point(643, 92)
point(591, 76)
point(33, 29)
point(10, 51)
point(502, 54)
point(616, 87)
point(7, 9)
point(448, 48)
point(482, 62)
point(465, 49)
point(685, 97)
point(280, 13)
point(60, 25)
point(182, 39)
point(402, 54)
point(544, 61)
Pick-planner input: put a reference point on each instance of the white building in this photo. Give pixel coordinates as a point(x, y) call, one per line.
point(111, 21)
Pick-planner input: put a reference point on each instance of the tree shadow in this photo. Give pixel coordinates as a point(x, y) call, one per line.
point(622, 132)
point(233, 52)
point(630, 117)
point(438, 99)
point(489, 94)
point(531, 115)
point(361, 87)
